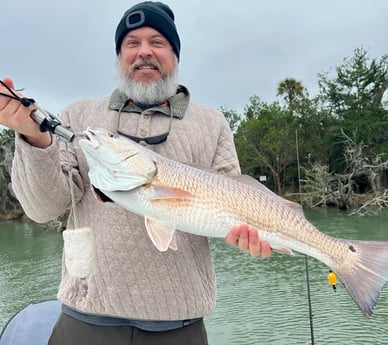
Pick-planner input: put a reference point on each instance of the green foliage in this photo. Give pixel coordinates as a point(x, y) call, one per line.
point(7, 143)
point(266, 139)
point(350, 101)
point(7, 146)
point(233, 118)
point(354, 93)
point(7, 137)
point(291, 90)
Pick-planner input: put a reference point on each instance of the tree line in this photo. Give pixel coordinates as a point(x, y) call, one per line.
point(326, 149)
point(333, 146)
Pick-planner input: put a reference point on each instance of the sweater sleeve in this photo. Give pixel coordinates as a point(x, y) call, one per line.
point(40, 179)
point(225, 158)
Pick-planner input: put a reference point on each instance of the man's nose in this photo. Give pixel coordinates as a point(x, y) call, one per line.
point(145, 50)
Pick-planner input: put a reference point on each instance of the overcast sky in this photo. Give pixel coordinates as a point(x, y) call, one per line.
point(60, 51)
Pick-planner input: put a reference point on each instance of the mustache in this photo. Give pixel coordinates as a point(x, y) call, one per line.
point(146, 62)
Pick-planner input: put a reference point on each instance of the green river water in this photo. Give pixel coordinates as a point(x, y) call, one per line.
point(259, 301)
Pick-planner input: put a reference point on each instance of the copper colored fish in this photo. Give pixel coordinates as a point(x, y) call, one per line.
point(174, 196)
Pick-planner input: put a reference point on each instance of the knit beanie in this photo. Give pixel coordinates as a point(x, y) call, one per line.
point(153, 14)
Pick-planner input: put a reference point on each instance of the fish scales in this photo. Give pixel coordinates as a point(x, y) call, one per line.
point(243, 203)
point(208, 189)
point(174, 196)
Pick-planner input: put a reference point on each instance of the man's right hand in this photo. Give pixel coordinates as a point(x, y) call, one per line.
point(16, 116)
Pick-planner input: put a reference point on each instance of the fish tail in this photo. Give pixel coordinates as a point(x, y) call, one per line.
point(365, 280)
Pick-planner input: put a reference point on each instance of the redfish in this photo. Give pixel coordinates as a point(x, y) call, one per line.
point(175, 196)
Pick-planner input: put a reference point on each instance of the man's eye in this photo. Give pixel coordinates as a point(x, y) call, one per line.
point(158, 43)
point(132, 43)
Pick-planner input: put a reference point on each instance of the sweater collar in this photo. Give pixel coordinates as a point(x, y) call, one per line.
point(177, 103)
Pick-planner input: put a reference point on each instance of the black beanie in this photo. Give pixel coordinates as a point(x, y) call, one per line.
point(154, 14)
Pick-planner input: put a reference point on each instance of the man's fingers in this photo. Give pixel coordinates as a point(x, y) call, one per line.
point(243, 241)
point(8, 82)
point(247, 239)
point(265, 250)
point(233, 236)
point(254, 243)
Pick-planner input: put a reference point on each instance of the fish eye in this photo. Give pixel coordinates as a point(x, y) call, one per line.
point(112, 135)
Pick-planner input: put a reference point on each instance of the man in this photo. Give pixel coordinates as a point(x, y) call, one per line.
point(135, 295)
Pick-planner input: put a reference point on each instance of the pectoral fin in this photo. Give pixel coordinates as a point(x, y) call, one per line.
point(162, 234)
point(161, 192)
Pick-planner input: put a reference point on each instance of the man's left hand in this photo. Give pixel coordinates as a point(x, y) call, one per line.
point(247, 239)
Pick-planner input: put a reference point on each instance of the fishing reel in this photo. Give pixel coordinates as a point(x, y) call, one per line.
point(48, 122)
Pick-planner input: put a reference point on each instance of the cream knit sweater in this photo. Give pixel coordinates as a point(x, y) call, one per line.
point(133, 279)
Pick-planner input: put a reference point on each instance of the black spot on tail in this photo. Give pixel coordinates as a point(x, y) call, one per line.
point(352, 248)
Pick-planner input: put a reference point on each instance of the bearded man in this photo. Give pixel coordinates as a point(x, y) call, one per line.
point(134, 294)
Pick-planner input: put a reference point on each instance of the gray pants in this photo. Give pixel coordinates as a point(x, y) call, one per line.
point(70, 331)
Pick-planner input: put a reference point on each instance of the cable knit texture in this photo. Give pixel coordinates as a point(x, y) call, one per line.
point(133, 279)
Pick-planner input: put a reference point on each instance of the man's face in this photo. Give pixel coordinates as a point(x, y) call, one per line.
point(146, 55)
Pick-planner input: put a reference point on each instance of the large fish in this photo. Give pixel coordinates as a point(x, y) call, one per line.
point(171, 195)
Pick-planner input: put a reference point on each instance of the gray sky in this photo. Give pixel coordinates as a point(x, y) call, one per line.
point(60, 51)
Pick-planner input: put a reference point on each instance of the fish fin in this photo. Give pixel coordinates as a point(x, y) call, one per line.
point(161, 234)
point(295, 206)
point(250, 181)
point(365, 280)
point(161, 192)
point(173, 244)
point(283, 250)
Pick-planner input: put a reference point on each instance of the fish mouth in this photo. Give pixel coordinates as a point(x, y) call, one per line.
point(87, 135)
point(90, 135)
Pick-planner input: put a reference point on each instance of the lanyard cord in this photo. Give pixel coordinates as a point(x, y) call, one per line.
point(23, 100)
point(72, 194)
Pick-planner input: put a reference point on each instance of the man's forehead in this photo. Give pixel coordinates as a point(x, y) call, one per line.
point(145, 31)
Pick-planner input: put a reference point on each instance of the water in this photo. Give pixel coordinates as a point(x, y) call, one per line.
point(30, 265)
point(259, 301)
point(265, 301)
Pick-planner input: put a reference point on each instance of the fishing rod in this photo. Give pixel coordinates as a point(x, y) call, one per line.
point(47, 121)
point(305, 256)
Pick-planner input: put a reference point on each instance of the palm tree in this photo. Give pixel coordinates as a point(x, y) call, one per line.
point(291, 89)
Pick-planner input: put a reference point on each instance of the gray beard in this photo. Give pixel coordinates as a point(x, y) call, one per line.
point(154, 92)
